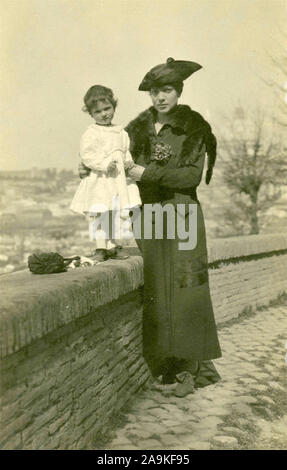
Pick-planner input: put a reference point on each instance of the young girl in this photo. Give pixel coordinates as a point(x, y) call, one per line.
point(104, 149)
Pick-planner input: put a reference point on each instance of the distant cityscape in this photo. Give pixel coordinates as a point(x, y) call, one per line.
point(35, 215)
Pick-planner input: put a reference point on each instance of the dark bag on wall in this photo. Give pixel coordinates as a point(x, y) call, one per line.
point(46, 263)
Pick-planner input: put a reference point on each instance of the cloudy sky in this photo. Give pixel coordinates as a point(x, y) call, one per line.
point(52, 51)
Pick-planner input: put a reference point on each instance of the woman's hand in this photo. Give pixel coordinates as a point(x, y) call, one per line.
point(136, 172)
point(83, 170)
point(128, 165)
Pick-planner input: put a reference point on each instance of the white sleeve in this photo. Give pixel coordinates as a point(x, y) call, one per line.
point(128, 156)
point(92, 154)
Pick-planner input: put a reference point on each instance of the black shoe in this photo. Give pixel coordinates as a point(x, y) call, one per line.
point(114, 254)
point(185, 384)
point(168, 378)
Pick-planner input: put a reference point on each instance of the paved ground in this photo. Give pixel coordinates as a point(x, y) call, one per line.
point(246, 410)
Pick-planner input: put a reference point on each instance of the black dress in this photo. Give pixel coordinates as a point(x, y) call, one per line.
point(178, 320)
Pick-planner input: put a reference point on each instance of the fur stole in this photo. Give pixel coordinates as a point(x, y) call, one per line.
point(198, 133)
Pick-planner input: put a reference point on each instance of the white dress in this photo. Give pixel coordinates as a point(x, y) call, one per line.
point(96, 193)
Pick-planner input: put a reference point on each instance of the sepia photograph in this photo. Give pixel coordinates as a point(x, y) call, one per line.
point(143, 228)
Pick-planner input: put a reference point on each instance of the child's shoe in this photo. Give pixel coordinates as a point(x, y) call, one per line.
point(115, 254)
point(100, 255)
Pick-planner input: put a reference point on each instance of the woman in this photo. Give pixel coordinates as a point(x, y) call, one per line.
point(169, 143)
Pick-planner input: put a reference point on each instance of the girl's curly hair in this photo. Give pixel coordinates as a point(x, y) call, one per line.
point(98, 93)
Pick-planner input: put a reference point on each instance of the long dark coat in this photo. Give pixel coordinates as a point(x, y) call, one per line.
point(178, 319)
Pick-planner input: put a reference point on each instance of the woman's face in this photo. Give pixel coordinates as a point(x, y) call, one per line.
point(164, 98)
point(103, 113)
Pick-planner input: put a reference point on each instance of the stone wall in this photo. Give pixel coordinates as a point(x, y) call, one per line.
point(246, 272)
point(71, 353)
point(71, 344)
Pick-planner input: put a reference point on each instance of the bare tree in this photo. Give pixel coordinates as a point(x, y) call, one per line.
point(254, 170)
point(279, 85)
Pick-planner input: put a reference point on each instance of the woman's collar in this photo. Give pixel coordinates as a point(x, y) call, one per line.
point(177, 117)
point(182, 116)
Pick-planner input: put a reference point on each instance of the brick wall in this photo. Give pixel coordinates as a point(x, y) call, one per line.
point(236, 287)
point(71, 342)
point(71, 349)
point(246, 272)
point(59, 391)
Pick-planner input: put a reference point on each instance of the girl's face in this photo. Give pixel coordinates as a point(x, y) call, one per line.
point(103, 113)
point(164, 98)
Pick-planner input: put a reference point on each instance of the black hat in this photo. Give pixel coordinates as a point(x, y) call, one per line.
point(171, 72)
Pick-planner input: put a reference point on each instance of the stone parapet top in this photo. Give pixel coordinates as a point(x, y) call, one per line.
point(34, 305)
point(237, 247)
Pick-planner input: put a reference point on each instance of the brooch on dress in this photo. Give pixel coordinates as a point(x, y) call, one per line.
point(161, 153)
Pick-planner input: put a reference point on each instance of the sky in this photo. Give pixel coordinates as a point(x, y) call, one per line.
point(52, 51)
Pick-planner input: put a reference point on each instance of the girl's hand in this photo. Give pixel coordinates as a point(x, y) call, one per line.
point(112, 169)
